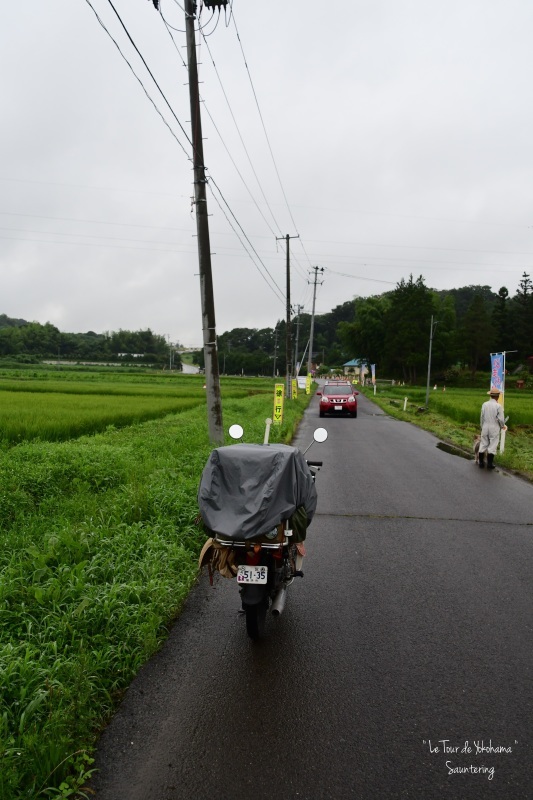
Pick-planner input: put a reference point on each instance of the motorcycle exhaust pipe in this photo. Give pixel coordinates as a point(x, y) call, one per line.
point(278, 604)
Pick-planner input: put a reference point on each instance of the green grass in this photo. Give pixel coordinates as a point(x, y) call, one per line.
point(453, 416)
point(99, 551)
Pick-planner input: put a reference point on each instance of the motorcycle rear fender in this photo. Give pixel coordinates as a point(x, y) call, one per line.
point(253, 593)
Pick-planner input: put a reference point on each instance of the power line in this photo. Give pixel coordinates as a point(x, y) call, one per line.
point(360, 278)
point(242, 141)
point(222, 138)
point(269, 145)
point(170, 107)
point(263, 124)
point(279, 291)
point(137, 77)
point(149, 71)
point(93, 221)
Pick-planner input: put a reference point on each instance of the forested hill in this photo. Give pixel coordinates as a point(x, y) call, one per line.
point(8, 322)
point(391, 330)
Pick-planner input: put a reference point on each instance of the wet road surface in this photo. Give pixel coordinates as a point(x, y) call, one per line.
point(408, 641)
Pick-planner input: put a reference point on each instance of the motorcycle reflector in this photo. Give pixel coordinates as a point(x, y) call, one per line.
point(247, 574)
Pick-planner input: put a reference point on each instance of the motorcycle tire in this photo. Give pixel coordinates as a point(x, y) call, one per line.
point(255, 619)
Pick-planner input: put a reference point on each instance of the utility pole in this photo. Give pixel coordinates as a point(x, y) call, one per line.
point(212, 374)
point(288, 342)
point(431, 329)
point(275, 350)
point(298, 311)
point(312, 331)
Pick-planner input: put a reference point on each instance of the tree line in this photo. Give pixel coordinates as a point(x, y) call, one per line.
point(32, 341)
point(392, 330)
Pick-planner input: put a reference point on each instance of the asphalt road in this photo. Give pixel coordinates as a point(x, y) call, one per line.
point(408, 641)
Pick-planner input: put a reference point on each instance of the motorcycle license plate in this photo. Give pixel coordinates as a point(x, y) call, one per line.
point(246, 574)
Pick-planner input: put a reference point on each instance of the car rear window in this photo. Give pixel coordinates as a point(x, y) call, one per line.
point(329, 390)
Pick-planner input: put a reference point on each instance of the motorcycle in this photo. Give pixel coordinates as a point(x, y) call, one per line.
point(256, 501)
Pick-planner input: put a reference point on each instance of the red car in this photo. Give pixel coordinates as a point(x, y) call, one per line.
point(338, 398)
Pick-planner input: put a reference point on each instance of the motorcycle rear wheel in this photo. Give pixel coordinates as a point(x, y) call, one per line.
point(255, 619)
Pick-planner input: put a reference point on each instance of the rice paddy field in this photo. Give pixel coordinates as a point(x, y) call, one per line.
point(453, 415)
point(99, 547)
point(46, 407)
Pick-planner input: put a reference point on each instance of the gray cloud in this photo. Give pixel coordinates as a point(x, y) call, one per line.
point(401, 133)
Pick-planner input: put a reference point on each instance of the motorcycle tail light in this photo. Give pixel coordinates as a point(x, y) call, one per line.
point(253, 556)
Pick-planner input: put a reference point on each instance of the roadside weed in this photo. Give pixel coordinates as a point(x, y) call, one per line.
point(99, 552)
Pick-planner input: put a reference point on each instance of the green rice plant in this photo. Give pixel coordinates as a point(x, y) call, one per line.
point(99, 551)
point(55, 417)
point(60, 409)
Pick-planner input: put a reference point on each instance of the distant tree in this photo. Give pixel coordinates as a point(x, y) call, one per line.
point(407, 323)
point(464, 296)
point(40, 340)
point(445, 346)
point(501, 337)
point(11, 341)
point(10, 322)
point(522, 312)
point(365, 337)
point(476, 335)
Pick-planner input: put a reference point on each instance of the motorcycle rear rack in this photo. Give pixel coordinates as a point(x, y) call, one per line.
point(250, 543)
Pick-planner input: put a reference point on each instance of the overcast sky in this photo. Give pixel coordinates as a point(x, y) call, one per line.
point(392, 137)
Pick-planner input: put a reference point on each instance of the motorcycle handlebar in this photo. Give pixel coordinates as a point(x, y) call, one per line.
point(315, 463)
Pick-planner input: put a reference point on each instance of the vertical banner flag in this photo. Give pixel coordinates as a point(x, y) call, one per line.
point(294, 388)
point(373, 368)
point(308, 384)
point(497, 382)
point(278, 403)
point(497, 378)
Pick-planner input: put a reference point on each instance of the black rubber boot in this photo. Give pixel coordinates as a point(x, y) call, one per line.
point(481, 460)
point(490, 461)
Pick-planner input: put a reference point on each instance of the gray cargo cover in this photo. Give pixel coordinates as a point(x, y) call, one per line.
point(248, 489)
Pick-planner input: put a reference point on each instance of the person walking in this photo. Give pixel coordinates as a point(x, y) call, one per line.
point(492, 422)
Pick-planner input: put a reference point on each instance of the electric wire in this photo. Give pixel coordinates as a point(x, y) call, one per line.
point(166, 101)
point(221, 137)
point(242, 142)
point(90, 244)
point(267, 137)
point(263, 124)
point(170, 107)
point(201, 27)
point(359, 277)
point(281, 294)
point(232, 161)
point(139, 80)
point(301, 243)
point(380, 261)
point(148, 70)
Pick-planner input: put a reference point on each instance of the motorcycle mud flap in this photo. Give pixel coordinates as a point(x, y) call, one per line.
point(253, 593)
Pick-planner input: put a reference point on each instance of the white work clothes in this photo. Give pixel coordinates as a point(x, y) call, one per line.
point(492, 422)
